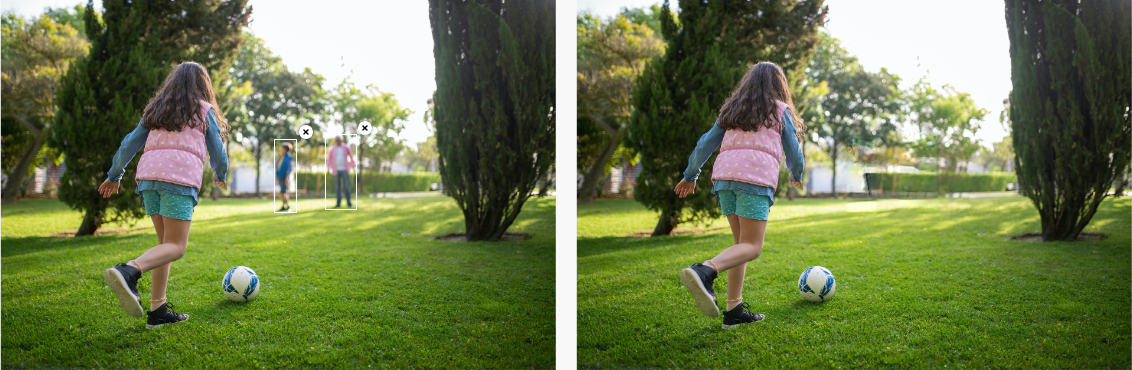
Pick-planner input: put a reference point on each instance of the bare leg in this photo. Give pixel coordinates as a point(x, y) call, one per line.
point(172, 247)
point(160, 275)
point(285, 198)
point(748, 247)
point(735, 275)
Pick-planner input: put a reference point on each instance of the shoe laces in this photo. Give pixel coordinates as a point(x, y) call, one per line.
point(169, 310)
point(746, 313)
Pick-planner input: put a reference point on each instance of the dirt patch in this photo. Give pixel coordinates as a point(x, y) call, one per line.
point(646, 234)
point(1083, 237)
point(507, 237)
point(71, 234)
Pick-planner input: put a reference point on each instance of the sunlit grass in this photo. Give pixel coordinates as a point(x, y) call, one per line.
point(923, 283)
point(340, 289)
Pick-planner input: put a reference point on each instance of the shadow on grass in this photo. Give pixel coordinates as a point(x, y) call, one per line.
point(588, 247)
point(34, 244)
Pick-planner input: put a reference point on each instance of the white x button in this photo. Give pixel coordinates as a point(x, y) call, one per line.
point(365, 128)
point(306, 132)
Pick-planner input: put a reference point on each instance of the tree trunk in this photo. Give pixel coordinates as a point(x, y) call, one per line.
point(16, 179)
point(589, 184)
point(894, 193)
point(938, 189)
point(833, 168)
point(666, 224)
point(258, 154)
point(92, 220)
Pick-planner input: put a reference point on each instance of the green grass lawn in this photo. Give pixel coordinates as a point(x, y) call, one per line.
point(339, 289)
point(928, 283)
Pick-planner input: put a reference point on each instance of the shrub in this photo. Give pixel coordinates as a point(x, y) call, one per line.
point(951, 182)
point(380, 182)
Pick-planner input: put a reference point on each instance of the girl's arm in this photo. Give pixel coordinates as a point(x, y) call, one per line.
point(130, 146)
point(795, 161)
point(217, 157)
point(708, 143)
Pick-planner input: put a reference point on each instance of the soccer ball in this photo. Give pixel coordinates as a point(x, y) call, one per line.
point(816, 284)
point(240, 284)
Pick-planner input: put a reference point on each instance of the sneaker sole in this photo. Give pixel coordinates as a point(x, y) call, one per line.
point(158, 326)
point(704, 301)
point(733, 326)
point(126, 298)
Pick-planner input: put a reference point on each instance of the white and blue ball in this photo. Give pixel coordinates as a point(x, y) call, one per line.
point(240, 284)
point(816, 284)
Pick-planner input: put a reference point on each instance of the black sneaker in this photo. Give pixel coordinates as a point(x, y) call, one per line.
point(123, 280)
point(739, 316)
point(164, 315)
point(283, 209)
point(699, 279)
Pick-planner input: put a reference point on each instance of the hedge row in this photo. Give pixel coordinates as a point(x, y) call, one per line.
point(950, 182)
point(374, 182)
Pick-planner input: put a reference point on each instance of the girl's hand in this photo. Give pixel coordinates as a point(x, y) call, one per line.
point(796, 184)
point(684, 188)
point(108, 188)
point(222, 184)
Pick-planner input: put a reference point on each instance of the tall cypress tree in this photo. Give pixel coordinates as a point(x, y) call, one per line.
point(494, 105)
point(678, 96)
point(1071, 67)
point(101, 97)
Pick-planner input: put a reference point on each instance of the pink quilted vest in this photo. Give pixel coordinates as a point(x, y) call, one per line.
point(750, 157)
point(176, 156)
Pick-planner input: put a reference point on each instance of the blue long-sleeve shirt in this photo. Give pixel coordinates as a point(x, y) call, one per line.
point(133, 142)
point(711, 141)
point(284, 167)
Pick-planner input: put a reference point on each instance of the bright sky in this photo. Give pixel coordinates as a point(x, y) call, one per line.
point(961, 42)
point(385, 43)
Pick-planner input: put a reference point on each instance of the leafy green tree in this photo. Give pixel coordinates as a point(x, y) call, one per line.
point(1071, 68)
point(74, 16)
point(948, 120)
point(36, 54)
point(354, 105)
point(279, 102)
point(494, 106)
point(101, 97)
point(857, 108)
point(678, 95)
point(611, 54)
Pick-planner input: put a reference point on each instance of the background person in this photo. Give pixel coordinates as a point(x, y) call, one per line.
point(339, 160)
point(283, 173)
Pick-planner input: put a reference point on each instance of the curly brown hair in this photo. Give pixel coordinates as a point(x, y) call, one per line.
point(176, 103)
point(752, 103)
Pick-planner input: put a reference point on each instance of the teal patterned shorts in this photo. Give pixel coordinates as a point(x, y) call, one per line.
point(746, 205)
point(161, 202)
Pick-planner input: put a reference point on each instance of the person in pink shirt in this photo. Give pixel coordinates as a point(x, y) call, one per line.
point(339, 161)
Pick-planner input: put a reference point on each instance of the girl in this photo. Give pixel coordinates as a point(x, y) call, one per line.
point(176, 127)
point(757, 125)
point(282, 173)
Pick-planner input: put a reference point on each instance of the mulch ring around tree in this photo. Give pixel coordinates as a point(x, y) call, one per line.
point(646, 234)
point(507, 237)
point(1037, 237)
